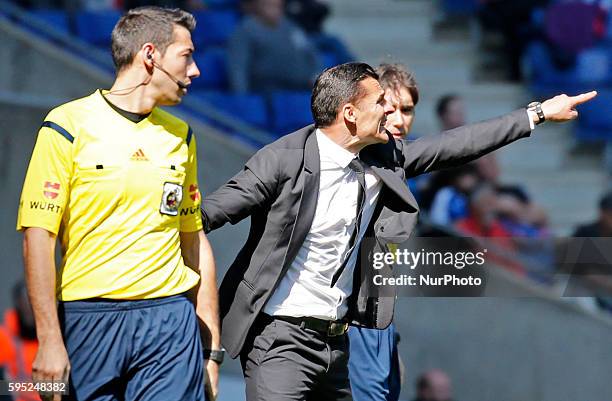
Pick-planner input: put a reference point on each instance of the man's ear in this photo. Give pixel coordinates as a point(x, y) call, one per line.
point(349, 113)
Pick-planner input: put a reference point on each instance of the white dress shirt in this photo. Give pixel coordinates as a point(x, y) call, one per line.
point(305, 288)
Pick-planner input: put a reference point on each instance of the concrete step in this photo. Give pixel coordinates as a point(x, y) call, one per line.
point(378, 9)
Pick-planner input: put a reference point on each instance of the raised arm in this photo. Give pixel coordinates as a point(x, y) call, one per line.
point(461, 145)
point(253, 187)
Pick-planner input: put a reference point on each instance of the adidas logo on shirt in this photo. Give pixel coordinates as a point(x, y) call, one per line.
point(139, 156)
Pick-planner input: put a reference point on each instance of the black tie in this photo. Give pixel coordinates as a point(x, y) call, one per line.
point(357, 167)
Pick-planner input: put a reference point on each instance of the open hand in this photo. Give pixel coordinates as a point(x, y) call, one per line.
point(563, 108)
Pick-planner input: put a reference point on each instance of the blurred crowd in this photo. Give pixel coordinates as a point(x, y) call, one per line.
point(474, 201)
point(274, 45)
point(553, 46)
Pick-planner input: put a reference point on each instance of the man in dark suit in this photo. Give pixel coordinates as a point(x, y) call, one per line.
point(313, 195)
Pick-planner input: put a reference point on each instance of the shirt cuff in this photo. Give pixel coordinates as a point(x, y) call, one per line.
point(531, 114)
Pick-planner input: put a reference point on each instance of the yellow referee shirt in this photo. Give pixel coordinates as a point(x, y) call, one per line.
point(117, 193)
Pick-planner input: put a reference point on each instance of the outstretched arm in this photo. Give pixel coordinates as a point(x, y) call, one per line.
point(461, 145)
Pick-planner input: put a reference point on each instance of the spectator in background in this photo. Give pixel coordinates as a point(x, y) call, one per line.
point(602, 227)
point(18, 344)
point(592, 265)
point(450, 111)
point(519, 215)
point(483, 221)
point(433, 385)
point(310, 15)
point(451, 114)
point(267, 52)
point(451, 202)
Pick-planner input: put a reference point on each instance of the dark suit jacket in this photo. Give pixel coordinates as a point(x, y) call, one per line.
point(278, 188)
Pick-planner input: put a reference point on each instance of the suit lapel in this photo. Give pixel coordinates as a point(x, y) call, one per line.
point(396, 184)
point(308, 199)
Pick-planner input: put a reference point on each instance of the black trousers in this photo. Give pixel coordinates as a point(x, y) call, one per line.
point(282, 361)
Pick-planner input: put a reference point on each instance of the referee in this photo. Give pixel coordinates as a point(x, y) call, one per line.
point(115, 178)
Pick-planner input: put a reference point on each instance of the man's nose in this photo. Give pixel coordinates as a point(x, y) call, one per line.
point(395, 120)
point(193, 71)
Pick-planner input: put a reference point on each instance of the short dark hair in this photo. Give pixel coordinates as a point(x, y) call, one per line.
point(337, 86)
point(146, 24)
point(422, 383)
point(443, 103)
point(396, 76)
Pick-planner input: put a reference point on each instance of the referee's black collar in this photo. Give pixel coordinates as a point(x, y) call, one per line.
point(133, 117)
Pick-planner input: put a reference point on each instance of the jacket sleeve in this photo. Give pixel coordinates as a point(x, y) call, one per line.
point(461, 145)
point(253, 187)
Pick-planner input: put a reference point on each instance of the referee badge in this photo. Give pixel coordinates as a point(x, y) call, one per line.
point(171, 199)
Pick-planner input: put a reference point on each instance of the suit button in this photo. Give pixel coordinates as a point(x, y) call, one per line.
point(382, 229)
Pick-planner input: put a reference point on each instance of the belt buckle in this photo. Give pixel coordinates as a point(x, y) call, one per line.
point(332, 329)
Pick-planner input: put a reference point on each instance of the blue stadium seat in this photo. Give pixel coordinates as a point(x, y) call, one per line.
point(596, 113)
point(215, 4)
point(591, 135)
point(329, 59)
point(212, 63)
point(214, 27)
point(460, 7)
point(250, 108)
point(58, 19)
point(545, 78)
point(290, 111)
point(595, 122)
point(95, 27)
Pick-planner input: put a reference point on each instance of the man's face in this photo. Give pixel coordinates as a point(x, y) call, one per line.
point(484, 207)
point(439, 388)
point(178, 61)
point(370, 118)
point(399, 108)
point(454, 116)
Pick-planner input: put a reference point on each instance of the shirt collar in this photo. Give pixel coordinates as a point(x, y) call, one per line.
point(332, 151)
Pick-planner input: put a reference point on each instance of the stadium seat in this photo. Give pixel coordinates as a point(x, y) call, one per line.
point(290, 111)
point(95, 27)
point(596, 113)
point(214, 27)
point(595, 122)
point(592, 135)
point(217, 4)
point(460, 7)
point(545, 78)
point(250, 108)
point(213, 71)
point(57, 19)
